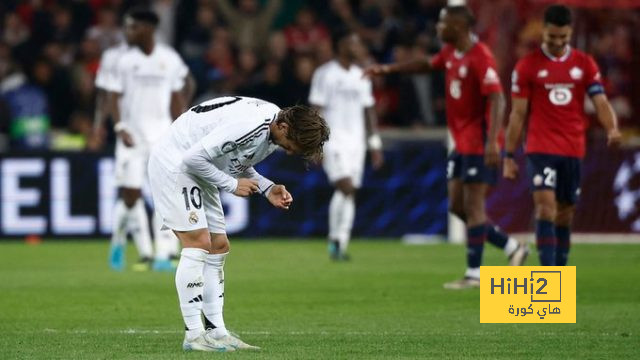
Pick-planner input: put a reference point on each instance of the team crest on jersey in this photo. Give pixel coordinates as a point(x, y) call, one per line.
point(462, 71)
point(229, 146)
point(543, 73)
point(576, 73)
point(193, 218)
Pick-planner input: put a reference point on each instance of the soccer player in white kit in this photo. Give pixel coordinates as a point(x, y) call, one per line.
point(345, 99)
point(147, 83)
point(211, 148)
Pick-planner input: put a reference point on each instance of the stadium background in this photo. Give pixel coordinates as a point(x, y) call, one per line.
point(50, 51)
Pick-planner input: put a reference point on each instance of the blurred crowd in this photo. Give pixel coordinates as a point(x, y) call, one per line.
point(50, 51)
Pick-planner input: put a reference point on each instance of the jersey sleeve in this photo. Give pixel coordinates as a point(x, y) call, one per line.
point(520, 80)
point(437, 61)
point(367, 94)
point(180, 74)
point(593, 78)
point(318, 92)
point(485, 70)
point(103, 73)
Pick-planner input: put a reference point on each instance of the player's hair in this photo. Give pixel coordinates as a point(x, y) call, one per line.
point(307, 129)
point(558, 15)
point(144, 15)
point(338, 35)
point(464, 12)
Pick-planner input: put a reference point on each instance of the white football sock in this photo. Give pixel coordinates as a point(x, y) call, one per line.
point(510, 246)
point(120, 218)
point(141, 234)
point(473, 273)
point(163, 239)
point(190, 284)
point(346, 222)
point(214, 293)
point(335, 214)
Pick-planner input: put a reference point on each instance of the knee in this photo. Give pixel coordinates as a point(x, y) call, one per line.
point(474, 211)
point(545, 211)
point(345, 186)
point(219, 244)
point(564, 216)
point(130, 197)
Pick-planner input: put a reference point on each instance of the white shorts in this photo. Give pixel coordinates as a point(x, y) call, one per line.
point(183, 203)
point(344, 163)
point(131, 165)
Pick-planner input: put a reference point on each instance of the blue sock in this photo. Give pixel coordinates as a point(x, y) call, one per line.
point(546, 242)
point(495, 236)
point(475, 244)
point(563, 234)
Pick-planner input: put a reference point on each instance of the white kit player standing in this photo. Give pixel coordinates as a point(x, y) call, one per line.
point(345, 99)
point(211, 148)
point(147, 84)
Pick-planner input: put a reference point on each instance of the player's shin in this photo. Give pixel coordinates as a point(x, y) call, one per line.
point(476, 236)
point(214, 294)
point(190, 285)
point(563, 235)
point(546, 242)
point(346, 222)
point(141, 233)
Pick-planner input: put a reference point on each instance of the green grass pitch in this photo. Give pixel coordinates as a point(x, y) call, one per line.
point(59, 300)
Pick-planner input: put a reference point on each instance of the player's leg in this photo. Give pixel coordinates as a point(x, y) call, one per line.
point(454, 186)
point(118, 235)
point(567, 194)
point(342, 205)
point(543, 173)
point(139, 226)
point(564, 217)
point(187, 218)
point(166, 244)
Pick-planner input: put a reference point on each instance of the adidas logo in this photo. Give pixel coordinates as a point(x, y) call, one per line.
point(196, 299)
point(195, 284)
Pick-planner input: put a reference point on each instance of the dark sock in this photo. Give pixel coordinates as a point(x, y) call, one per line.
point(495, 236)
point(563, 234)
point(475, 244)
point(546, 242)
point(208, 324)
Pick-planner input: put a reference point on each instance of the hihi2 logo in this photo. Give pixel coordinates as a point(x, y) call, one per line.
point(528, 294)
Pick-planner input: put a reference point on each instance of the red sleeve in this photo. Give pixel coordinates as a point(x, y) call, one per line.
point(485, 70)
point(520, 80)
point(437, 62)
point(593, 72)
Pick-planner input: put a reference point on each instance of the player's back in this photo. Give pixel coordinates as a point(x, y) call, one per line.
point(243, 120)
point(556, 90)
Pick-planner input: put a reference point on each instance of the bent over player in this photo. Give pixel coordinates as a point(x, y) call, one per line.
point(211, 148)
point(550, 85)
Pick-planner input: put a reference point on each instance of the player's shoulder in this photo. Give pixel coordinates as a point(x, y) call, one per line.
point(531, 59)
point(581, 57)
point(327, 67)
point(483, 50)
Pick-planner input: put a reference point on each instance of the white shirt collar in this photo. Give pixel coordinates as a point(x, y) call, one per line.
point(565, 56)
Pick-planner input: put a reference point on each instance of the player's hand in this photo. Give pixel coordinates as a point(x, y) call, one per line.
point(375, 70)
point(246, 187)
point(614, 138)
point(509, 168)
point(280, 197)
point(377, 159)
point(492, 154)
point(126, 138)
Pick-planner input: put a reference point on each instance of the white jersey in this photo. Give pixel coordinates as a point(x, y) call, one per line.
point(146, 83)
point(234, 132)
point(343, 94)
point(106, 71)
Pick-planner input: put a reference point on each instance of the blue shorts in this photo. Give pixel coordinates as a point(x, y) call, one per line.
point(555, 172)
point(470, 169)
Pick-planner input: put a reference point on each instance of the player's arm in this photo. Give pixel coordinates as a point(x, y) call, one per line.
point(374, 142)
point(119, 127)
point(409, 67)
point(100, 116)
point(178, 104)
point(607, 118)
point(277, 195)
point(519, 108)
point(199, 162)
point(492, 149)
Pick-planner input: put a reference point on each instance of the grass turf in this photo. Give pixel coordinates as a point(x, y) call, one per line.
point(59, 300)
